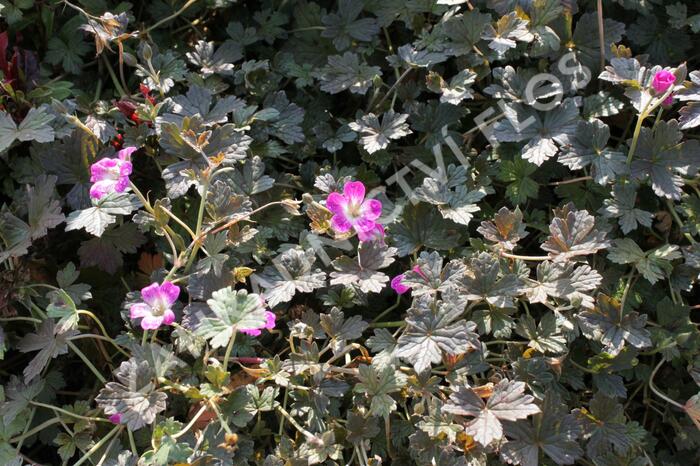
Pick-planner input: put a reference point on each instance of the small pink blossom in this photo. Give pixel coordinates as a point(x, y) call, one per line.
point(156, 308)
point(398, 285)
point(352, 211)
point(115, 418)
point(269, 325)
point(663, 80)
point(111, 175)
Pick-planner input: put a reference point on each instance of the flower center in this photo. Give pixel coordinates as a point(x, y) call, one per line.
point(113, 173)
point(159, 308)
point(354, 210)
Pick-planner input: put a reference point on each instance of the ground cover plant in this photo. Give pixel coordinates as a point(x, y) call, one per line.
point(349, 232)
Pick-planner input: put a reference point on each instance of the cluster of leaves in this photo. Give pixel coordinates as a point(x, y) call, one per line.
point(549, 235)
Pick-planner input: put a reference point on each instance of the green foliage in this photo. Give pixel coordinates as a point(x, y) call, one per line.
point(315, 232)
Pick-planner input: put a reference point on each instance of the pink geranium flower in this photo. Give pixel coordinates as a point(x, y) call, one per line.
point(269, 325)
point(352, 211)
point(156, 308)
point(398, 285)
point(111, 175)
point(115, 418)
point(663, 80)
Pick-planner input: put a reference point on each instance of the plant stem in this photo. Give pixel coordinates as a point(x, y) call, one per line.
point(200, 220)
point(115, 80)
point(179, 222)
point(191, 423)
point(173, 251)
point(679, 222)
point(396, 323)
point(107, 450)
point(573, 180)
point(658, 118)
point(391, 89)
point(94, 336)
point(307, 29)
point(125, 86)
point(24, 432)
point(171, 17)
point(635, 139)
point(228, 350)
point(388, 310)
point(296, 425)
point(102, 329)
point(397, 74)
point(387, 433)
point(20, 318)
point(223, 422)
point(98, 445)
point(284, 406)
point(658, 392)
point(601, 35)
point(505, 342)
point(628, 286)
point(80, 10)
point(37, 429)
point(87, 362)
point(142, 198)
point(149, 209)
point(132, 443)
point(524, 258)
point(640, 120)
point(68, 413)
point(580, 367)
point(391, 51)
point(230, 223)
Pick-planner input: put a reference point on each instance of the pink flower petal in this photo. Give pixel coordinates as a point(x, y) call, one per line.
point(109, 175)
point(398, 286)
point(121, 185)
point(271, 318)
point(663, 80)
point(151, 294)
point(168, 317)
point(336, 203)
point(101, 189)
point(170, 292)
point(374, 234)
point(354, 192)
point(371, 209)
point(125, 153)
point(364, 225)
point(101, 169)
point(151, 322)
point(340, 223)
point(125, 169)
point(139, 310)
point(269, 325)
point(115, 418)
